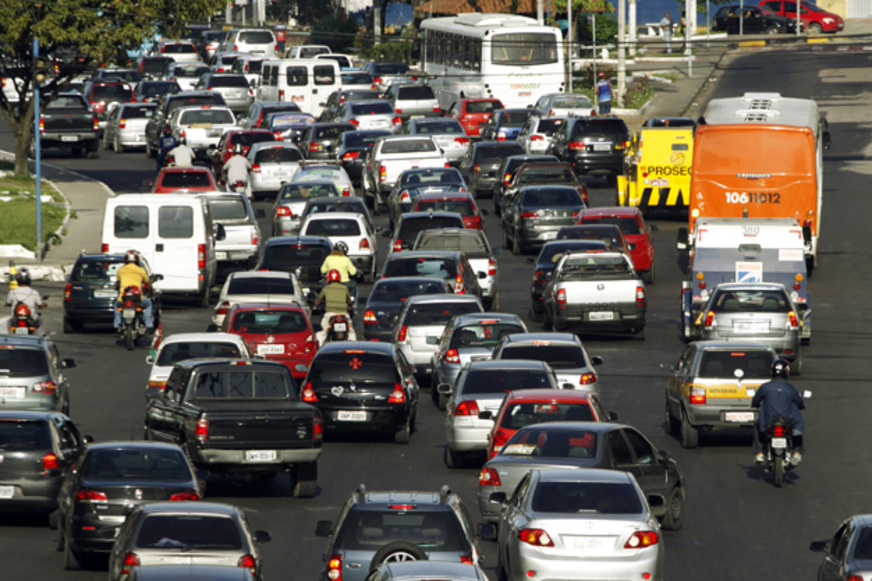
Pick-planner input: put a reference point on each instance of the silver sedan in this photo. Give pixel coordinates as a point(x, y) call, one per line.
point(448, 133)
point(272, 164)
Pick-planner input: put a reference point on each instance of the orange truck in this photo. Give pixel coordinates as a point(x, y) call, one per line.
point(760, 156)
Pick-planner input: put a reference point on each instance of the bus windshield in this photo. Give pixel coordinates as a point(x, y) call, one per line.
point(524, 48)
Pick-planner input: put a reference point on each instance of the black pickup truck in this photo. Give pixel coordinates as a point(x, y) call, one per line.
point(239, 416)
point(67, 122)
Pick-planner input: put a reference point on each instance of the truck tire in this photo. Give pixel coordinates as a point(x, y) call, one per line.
point(305, 480)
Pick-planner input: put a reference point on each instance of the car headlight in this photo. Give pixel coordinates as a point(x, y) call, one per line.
point(829, 20)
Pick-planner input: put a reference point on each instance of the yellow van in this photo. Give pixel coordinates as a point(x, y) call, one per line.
point(657, 166)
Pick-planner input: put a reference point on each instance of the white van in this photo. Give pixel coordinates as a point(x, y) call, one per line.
point(306, 82)
point(175, 234)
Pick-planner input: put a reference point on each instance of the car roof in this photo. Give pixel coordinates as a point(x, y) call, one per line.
point(427, 569)
point(13, 414)
point(131, 445)
point(617, 211)
point(507, 364)
point(367, 346)
point(189, 507)
point(411, 254)
point(441, 298)
point(516, 338)
point(262, 306)
point(188, 169)
point(297, 241)
point(226, 361)
point(448, 195)
point(191, 571)
point(201, 337)
point(546, 395)
point(260, 274)
point(24, 340)
point(732, 345)
point(391, 496)
point(428, 214)
point(356, 216)
point(471, 318)
point(751, 286)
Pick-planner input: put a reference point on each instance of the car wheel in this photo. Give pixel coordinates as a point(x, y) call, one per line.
point(673, 519)
point(69, 327)
point(149, 152)
point(517, 249)
point(397, 552)
point(204, 298)
point(305, 477)
point(689, 434)
point(814, 28)
point(72, 560)
point(535, 316)
point(93, 152)
point(672, 423)
point(106, 144)
point(796, 368)
point(772, 30)
point(403, 435)
point(559, 325)
point(648, 276)
point(76, 151)
point(59, 545)
point(453, 459)
point(502, 574)
point(116, 145)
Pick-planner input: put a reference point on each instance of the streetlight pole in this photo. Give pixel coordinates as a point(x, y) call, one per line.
point(37, 72)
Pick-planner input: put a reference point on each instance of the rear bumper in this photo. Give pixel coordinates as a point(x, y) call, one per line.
point(378, 418)
point(71, 139)
point(234, 460)
point(626, 317)
point(597, 164)
point(713, 416)
point(36, 493)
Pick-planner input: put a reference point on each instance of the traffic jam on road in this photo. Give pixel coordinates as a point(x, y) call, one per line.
point(356, 286)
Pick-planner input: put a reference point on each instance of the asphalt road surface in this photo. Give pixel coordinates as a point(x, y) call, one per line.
point(738, 526)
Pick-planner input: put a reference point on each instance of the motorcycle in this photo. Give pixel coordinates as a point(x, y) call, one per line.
point(22, 321)
point(337, 328)
point(238, 186)
point(778, 448)
point(132, 324)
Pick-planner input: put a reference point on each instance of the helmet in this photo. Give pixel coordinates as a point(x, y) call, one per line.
point(131, 256)
point(602, 75)
point(167, 129)
point(237, 149)
point(781, 368)
point(181, 140)
point(341, 246)
point(23, 276)
point(334, 276)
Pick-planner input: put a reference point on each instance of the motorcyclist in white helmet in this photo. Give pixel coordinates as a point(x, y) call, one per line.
point(27, 295)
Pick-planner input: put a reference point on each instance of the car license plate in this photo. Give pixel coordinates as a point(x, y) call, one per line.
point(779, 443)
point(416, 117)
point(7, 491)
point(22, 330)
point(751, 326)
point(739, 417)
point(602, 146)
point(269, 349)
point(339, 327)
point(128, 313)
point(104, 294)
point(351, 416)
point(220, 256)
point(12, 392)
point(261, 455)
point(587, 544)
point(69, 137)
point(601, 316)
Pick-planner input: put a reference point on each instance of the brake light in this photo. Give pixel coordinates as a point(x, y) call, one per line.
point(491, 267)
point(466, 559)
point(313, 147)
point(377, 80)
point(498, 441)
point(50, 462)
point(130, 560)
point(382, 173)
point(536, 537)
point(68, 292)
point(104, 248)
point(640, 296)
point(45, 387)
point(528, 214)
point(308, 394)
point(235, 48)
point(255, 239)
point(201, 431)
point(697, 395)
point(397, 120)
point(354, 122)
point(476, 168)
point(794, 322)
point(87, 495)
point(41, 123)
point(709, 319)
point(451, 356)
point(461, 140)
point(401, 335)
point(369, 318)
point(222, 308)
point(587, 378)
point(201, 256)
point(318, 428)
point(334, 568)
point(283, 211)
point(349, 155)
point(281, 94)
point(466, 408)
point(576, 145)
point(458, 285)
point(94, 127)
point(398, 395)
point(255, 168)
point(501, 136)
point(187, 495)
point(309, 344)
point(398, 110)
point(642, 539)
point(561, 298)
point(158, 385)
point(489, 477)
point(122, 123)
point(535, 137)
point(475, 222)
point(405, 198)
point(398, 245)
point(277, 135)
point(247, 562)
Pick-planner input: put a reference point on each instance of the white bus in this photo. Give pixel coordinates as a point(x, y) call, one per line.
point(501, 56)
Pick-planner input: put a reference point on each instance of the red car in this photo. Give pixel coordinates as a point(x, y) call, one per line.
point(523, 407)
point(815, 19)
point(473, 113)
point(636, 233)
point(184, 179)
point(246, 137)
point(460, 202)
point(278, 332)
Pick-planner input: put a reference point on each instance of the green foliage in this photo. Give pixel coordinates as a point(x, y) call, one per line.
point(336, 31)
point(18, 209)
point(606, 29)
point(393, 52)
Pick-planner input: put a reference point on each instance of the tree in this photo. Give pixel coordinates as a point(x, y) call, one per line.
point(73, 33)
point(580, 8)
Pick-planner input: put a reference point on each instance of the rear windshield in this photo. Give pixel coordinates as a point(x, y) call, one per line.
point(755, 364)
point(493, 154)
point(462, 207)
point(319, 173)
point(251, 67)
point(330, 132)
point(410, 229)
point(172, 353)
point(269, 322)
point(594, 265)
point(111, 93)
point(380, 108)
point(611, 240)
point(66, 102)
point(519, 415)
point(310, 51)
point(94, 271)
point(278, 155)
point(395, 291)
point(229, 81)
point(554, 175)
point(23, 362)
point(471, 245)
point(774, 301)
point(261, 286)
point(368, 530)
point(362, 366)
point(362, 140)
point(554, 252)
point(627, 225)
point(516, 118)
point(356, 79)
point(435, 267)
point(183, 531)
point(409, 146)
point(359, 95)
point(330, 228)
point(447, 176)
point(289, 257)
point(227, 209)
point(431, 314)
point(505, 380)
point(586, 497)
point(206, 117)
point(16, 434)
point(186, 179)
point(243, 385)
point(551, 197)
point(550, 442)
point(256, 37)
point(483, 334)
point(178, 103)
point(483, 106)
point(609, 126)
point(335, 206)
point(571, 102)
point(249, 138)
point(141, 464)
point(549, 126)
point(156, 88)
point(439, 128)
point(138, 112)
point(187, 71)
point(124, 75)
point(415, 93)
point(390, 68)
point(181, 48)
point(557, 356)
point(155, 65)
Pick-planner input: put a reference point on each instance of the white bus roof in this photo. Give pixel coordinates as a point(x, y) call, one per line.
point(479, 25)
point(731, 232)
point(764, 109)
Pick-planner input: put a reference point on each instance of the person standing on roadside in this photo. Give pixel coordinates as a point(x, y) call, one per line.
point(681, 30)
point(604, 94)
point(666, 26)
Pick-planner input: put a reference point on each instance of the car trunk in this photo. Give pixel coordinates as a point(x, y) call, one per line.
point(123, 495)
point(240, 424)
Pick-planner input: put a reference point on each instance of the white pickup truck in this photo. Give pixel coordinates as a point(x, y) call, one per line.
point(390, 156)
point(596, 292)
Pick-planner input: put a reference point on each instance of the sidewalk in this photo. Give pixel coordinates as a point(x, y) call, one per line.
point(681, 98)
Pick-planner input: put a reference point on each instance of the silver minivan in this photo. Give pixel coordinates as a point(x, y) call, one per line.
point(256, 41)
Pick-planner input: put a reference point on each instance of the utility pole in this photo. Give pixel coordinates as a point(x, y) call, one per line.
point(622, 57)
point(39, 74)
point(540, 11)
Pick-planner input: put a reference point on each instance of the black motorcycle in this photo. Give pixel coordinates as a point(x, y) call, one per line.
point(778, 449)
point(132, 323)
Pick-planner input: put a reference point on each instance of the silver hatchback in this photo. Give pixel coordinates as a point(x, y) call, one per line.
point(31, 374)
point(272, 164)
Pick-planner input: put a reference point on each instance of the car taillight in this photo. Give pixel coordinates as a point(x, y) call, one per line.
point(476, 168)
point(354, 122)
point(283, 211)
point(96, 125)
point(187, 495)
point(247, 562)
point(158, 385)
point(458, 285)
point(697, 395)
point(46, 387)
point(499, 440)
point(68, 292)
point(466, 408)
point(576, 145)
point(489, 477)
point(539, 278)
point(642, 539)
point(308, 394)
point(281, 94)
point(364, 244)
point(709, 319)
point(318, 428)
point(536, 537)
point(87, 495)
point(50, 462)
point(794, 322)
point(222, 308)
point(398, 111)
point(561, 298)
point(491, 267)
point(369, 318)
point(377, 80)
point(254, 236)
point(334, 568)
point(528, 214)
point(398, 395)
point(640, 296)
point(401, 335)
point(593, 112)
point(405, 198)
point(42, 123)
point(313, 147)
point(461, 140)
point(349, 155)
point(104, 248)
point(277, 135)
point(255, 168)
point(587, 378)
point(398, 245)
point(474, 222)
point(235, 48)
point(535, 137)
point(130, 560)
point(122, 123)
point(201, 256)
point(382, 173)
point(451, 356)
point(397, 120)
point(501, 135)
point(201, 430)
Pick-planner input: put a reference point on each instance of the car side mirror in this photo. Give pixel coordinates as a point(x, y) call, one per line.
point(149, 360)
point(157, 277)
point(567, 386)
point(262, 537)
point(611, 416)
point(486, 415)
point(631, 246)
point(213, 328)
point(653, 227)
point(322, 104)
point(220, 232)
point(487, 531)
point(324, 528)
point(655, 500)
point(596, 360)
point(484, 212)
point(444, 388)
point(68, 363)
point(148, 183)
point(667, 367)
point(213, 146)
point(482, 275)
point(663, 456)
point(87, 438)
point(819, 546)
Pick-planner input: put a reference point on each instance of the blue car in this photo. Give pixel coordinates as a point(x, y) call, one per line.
point(506, 124)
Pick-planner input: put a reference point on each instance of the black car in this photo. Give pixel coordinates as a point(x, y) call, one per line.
point(323, 204)
point(302, 255)
point(537, 213)
point(411, 224)
point(387, 298)
point(548, 258)
point(148, 91)
point(90, 294)
point(480, 164)
point(363, 386)
point(413, 182)
point(319, 139)
point(337, 98)
point(351, 149)
point(593, 145)
point(110, 479)
point(753, 20)
point(260, 113)
point(452, 266)
point(154, 67)
point(36, 447)
point(506, 172)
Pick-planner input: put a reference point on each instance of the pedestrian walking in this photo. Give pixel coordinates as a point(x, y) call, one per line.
point(604, 94)
point(666, 26)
